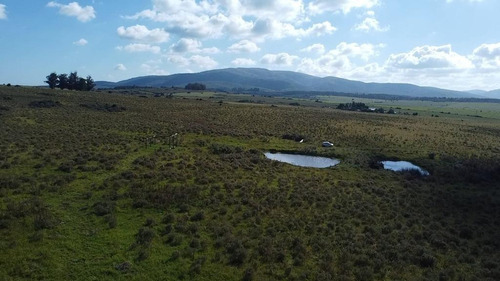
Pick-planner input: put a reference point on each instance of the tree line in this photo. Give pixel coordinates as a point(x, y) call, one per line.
point(70, 82)
point(196, 86)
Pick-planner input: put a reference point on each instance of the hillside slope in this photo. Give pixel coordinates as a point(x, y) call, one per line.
point(282, 81)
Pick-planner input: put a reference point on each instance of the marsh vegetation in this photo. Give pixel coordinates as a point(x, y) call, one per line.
point(91, 188)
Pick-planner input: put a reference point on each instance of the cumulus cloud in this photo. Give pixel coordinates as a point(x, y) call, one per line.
point(73, 9)
point(472, 1)
point(143, 34)
point(3, 12)
point(193, 62)
point(120, 67)
point(279, 59)
point(203, 62)
point(488, 51)
point(243, 62)
point(153, 68)
point(189, 45)
point(139, 48)
point(324, 6)
point(315, 48)
point(437, 66)
point(487, 57)
point(269, 28)
point(337, 61)
point(81, 42)
point(240, 19)
point(430, 57)
point(370, 23)
point(244, 46)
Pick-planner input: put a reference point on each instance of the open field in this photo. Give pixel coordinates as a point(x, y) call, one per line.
point(92, 189)
point(442, 109)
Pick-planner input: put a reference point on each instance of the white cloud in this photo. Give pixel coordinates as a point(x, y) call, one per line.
point(185, 45)
point(143, 34)
point(3, 12)
point(430, 57)
point(120, 67)
point(81, 42)
point(203, 62)
point(315, 48)
point(325, 6)
point(282, 10)
point(241, 19)
point(152, 68)
point(437, 66)
point(472, 1)
point(277, 30)
point(73, 9)
point(244, 46)
point(370, 23)
point(488, 51)
point(193, 62)
point(188, 45)
point(140, 48)
point(339, 61)
point(279, 59)
point(487, 57)
point(244, 62)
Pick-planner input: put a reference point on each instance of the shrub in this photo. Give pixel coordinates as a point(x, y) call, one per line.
point(466, 233)
point(43, 219)
point(168, 218)
point(175, 255)
point(103, 208)
point(149, 222)
point(427, 260)
point(145, 236)
point(248, 275)
point(198, 216)
point(140, 203)
point(123, 267)
point(37, 236)
point(111, 219)
point(142, 254)
point(174, 239)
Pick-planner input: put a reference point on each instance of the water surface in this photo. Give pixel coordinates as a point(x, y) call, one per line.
point(303, 160)
point(399, 166)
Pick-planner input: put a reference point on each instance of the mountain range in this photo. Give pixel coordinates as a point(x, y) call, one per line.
point(287, 81)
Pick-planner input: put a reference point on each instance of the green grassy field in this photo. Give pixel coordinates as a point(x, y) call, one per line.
point(441, 109)
point(92, 189)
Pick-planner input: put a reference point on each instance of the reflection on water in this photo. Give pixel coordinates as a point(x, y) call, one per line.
point(402, 166)
point(303, 160)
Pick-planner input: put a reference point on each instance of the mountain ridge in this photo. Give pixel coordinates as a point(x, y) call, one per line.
point(266, 80)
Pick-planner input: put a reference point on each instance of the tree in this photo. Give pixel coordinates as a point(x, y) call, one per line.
point(73, 81)
point(90, 83)
point(52, 80)
point(195, 86)
point(63, 81)
point(82, 84)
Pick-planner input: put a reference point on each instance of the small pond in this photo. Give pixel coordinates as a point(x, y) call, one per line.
point(399, 166)
point(303, 160)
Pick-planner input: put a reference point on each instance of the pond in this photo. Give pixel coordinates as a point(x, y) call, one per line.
point(399, 166)
point(303, 160)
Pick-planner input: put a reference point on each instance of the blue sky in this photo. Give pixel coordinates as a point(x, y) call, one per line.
point(452, 44)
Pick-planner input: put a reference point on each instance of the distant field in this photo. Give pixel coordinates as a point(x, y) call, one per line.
point(460, 109)
point(139, 184)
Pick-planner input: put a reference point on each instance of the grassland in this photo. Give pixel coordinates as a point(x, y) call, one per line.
point(92, 189)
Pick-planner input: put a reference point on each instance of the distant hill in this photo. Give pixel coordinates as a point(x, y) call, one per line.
point(495, 94)
point(282, 81)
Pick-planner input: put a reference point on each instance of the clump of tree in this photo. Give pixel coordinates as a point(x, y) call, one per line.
point(70, 82)
point(196, 86)
point(353, 106)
